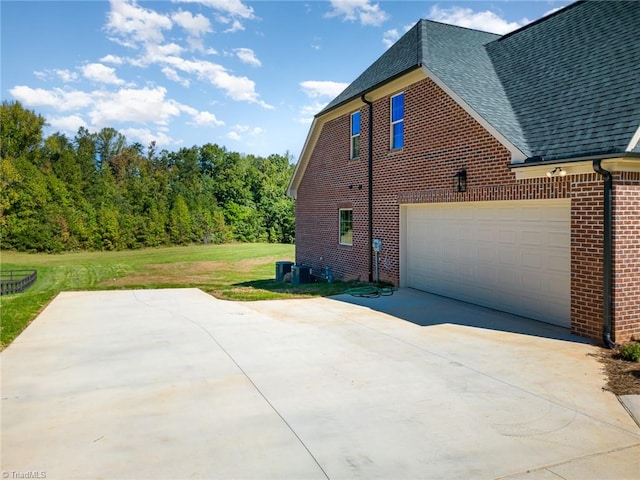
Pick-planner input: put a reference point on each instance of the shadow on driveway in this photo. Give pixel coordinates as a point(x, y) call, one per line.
point(427, 309)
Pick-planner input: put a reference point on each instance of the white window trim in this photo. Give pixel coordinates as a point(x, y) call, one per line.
point(392, 123)
point(340, 242)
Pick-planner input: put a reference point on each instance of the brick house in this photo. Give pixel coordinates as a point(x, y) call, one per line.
point(498, 170)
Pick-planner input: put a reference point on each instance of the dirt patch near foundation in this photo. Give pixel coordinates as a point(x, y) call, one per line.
point(623, 376)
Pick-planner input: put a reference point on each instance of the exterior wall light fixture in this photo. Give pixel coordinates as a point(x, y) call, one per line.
point(460, 183)
point(556, 171)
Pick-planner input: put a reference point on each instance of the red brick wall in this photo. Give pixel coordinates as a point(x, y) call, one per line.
point(626, 260)
point(587, 202)
point(322, 192)
point(440, 139)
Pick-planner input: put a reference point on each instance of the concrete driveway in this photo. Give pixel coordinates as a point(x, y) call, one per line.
point(174, 384)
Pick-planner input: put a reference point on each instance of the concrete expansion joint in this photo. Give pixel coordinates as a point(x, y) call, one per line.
point(260, 392)
point(549, 468)
point(572, 408)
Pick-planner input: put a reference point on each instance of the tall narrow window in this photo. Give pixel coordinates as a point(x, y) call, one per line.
point(355, 134)
point(397, 121)
point(346, 226)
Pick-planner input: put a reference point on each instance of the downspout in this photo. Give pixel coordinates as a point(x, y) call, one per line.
point(607, 254)
point(370, 161)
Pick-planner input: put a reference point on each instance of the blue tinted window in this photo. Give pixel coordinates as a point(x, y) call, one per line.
point(355, 123)
point(398, 135)
point(397, 108)
point(397, 121)
point(355, 134)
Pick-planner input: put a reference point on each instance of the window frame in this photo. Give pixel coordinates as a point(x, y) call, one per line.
point(394, 123)
point(340, 226)
point(354, 137)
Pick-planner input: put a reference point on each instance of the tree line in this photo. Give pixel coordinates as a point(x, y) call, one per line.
point(96, 191)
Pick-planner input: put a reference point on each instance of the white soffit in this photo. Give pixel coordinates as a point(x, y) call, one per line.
point(577, 168)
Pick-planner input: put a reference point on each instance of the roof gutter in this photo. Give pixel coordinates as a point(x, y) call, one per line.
point(370, 169)
point(607, 254)
point(537, 160)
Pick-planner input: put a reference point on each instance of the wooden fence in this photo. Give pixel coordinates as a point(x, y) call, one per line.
point(16, 281)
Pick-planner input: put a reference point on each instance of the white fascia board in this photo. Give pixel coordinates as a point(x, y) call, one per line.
point(517, 156)
point(296, 178)
point(634, 140)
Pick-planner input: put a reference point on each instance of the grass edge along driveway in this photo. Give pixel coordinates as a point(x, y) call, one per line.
point(229, 271)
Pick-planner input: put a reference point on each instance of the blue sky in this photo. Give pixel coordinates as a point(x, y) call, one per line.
point(245, 75)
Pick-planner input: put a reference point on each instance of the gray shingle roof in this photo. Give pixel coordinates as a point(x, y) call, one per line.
point(573, 78)
point(564, 86)
point(404, 55)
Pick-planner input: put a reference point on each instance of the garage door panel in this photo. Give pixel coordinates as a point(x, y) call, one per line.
point(512, 256)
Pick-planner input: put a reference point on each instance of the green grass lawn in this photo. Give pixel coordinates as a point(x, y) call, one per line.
point(231, 271)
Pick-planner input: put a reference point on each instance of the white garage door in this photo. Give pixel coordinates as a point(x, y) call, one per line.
point(512, 256)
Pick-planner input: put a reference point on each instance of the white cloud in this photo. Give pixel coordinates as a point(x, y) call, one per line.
point(157, 53)
point(67, 76)
point(146, 136)
point(238, 88)
point(57, 99)
point(390, 37)
point(130, 23)
point(69, 124)
point(231, 7)
point(363, 11)
point(99, 73)
point(236, 26)
point(229, 12)
point(253, 131)
point(195, 25)
point(206, 119)
point(487, 20)
point(238, 132)
point(112, 59)
point(320, 88)
point(553, 10)
point(133, 25)
point(143, 105)
point(307, 112)
point(246, 55)
point(171, 74)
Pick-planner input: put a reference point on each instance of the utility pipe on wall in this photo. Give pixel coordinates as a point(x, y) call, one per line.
point(370, 144)
point(607, 254)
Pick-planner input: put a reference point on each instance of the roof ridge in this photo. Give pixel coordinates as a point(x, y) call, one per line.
point(459, 26)
point(539, 20)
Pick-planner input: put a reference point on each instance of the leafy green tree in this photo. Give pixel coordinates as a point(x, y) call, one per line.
point(98, 192)
point(10, 177)
point(180, 223)
point(20, 130)
point(108, 143)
